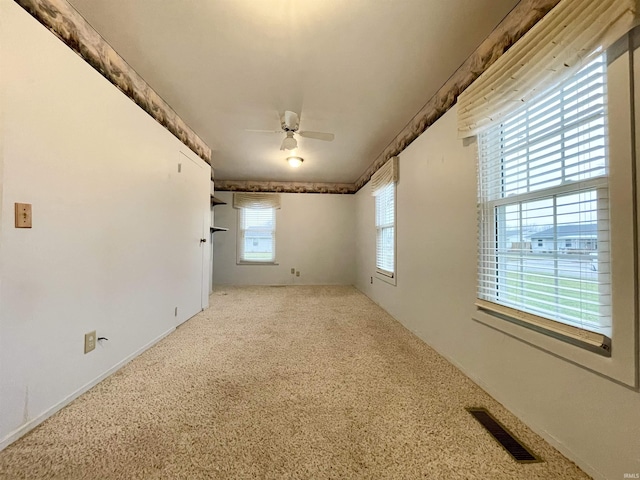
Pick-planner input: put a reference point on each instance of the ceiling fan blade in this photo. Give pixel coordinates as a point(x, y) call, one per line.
point(327, 137)
point(291, 120)
point(262, 131)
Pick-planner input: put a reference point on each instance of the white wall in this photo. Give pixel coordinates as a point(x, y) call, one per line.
point(105, 254)
point(314, 234)
point(115, 240)
point(591, 419)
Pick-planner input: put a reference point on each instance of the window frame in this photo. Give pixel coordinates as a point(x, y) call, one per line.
point(387, 276)
point(240, 238)
point(622, 365)
point(596, 185)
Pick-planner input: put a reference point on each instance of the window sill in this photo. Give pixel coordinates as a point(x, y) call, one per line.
point(386, 278)
point(596, 340)
point(620, 366)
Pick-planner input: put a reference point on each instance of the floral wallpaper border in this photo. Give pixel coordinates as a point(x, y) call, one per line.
point(68, 25)
point(283, 187)
point(518, 22)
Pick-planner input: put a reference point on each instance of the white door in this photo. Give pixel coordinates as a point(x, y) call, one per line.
point(192, 199)
point(206, 255)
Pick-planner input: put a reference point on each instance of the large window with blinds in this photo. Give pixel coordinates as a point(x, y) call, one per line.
point(544, 208)
point(256, 232)
point(385, 230)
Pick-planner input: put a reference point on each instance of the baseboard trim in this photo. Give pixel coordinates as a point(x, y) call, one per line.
point(584, 465)
point(30, 425)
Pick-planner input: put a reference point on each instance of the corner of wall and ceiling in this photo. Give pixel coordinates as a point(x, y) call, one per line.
point(67, 24)
point(513, 27)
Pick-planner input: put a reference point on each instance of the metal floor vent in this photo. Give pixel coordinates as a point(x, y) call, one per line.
point(517, 450)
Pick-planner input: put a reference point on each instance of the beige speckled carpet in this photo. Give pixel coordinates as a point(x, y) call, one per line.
point(281, 383)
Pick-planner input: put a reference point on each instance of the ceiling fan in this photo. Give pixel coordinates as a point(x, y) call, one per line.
point(290, 124)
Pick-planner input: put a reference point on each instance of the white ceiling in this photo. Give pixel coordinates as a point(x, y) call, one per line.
point(358, 68)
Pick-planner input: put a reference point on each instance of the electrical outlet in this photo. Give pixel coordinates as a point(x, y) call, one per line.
point(293, 270)
point(175, 313)
point(298, 273)
point(89, 341)
point(371, 280)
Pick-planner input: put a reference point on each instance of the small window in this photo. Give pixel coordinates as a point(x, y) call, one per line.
point(383, 188)
point(257, 228)
point(385, 231)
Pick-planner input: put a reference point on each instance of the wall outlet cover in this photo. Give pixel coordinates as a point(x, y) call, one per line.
point(89, 341)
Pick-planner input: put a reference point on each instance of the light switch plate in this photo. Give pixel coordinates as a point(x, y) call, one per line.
point(23, 215)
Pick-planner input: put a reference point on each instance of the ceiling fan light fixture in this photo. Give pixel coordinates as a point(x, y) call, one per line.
point(289, 143)
point(295, 162)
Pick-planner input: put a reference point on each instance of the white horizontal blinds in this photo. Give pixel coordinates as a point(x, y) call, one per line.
point(383, 184)
point(257, 226)
point(543, 145)
point(385, 175)
point(552, 51)
point(256, 200)
point(257, 240)
point(385, 230)
point(543, 187)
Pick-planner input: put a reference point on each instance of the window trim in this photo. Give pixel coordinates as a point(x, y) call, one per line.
point(382, 274)
point(529, 149)
point(622, 365)
point(604, 332)
point(239, 240)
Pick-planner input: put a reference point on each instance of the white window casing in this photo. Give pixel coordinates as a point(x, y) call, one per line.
point(557, 212)
point(256, 227)
point(385, 231)
point(543, 175)
point(383, 188)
